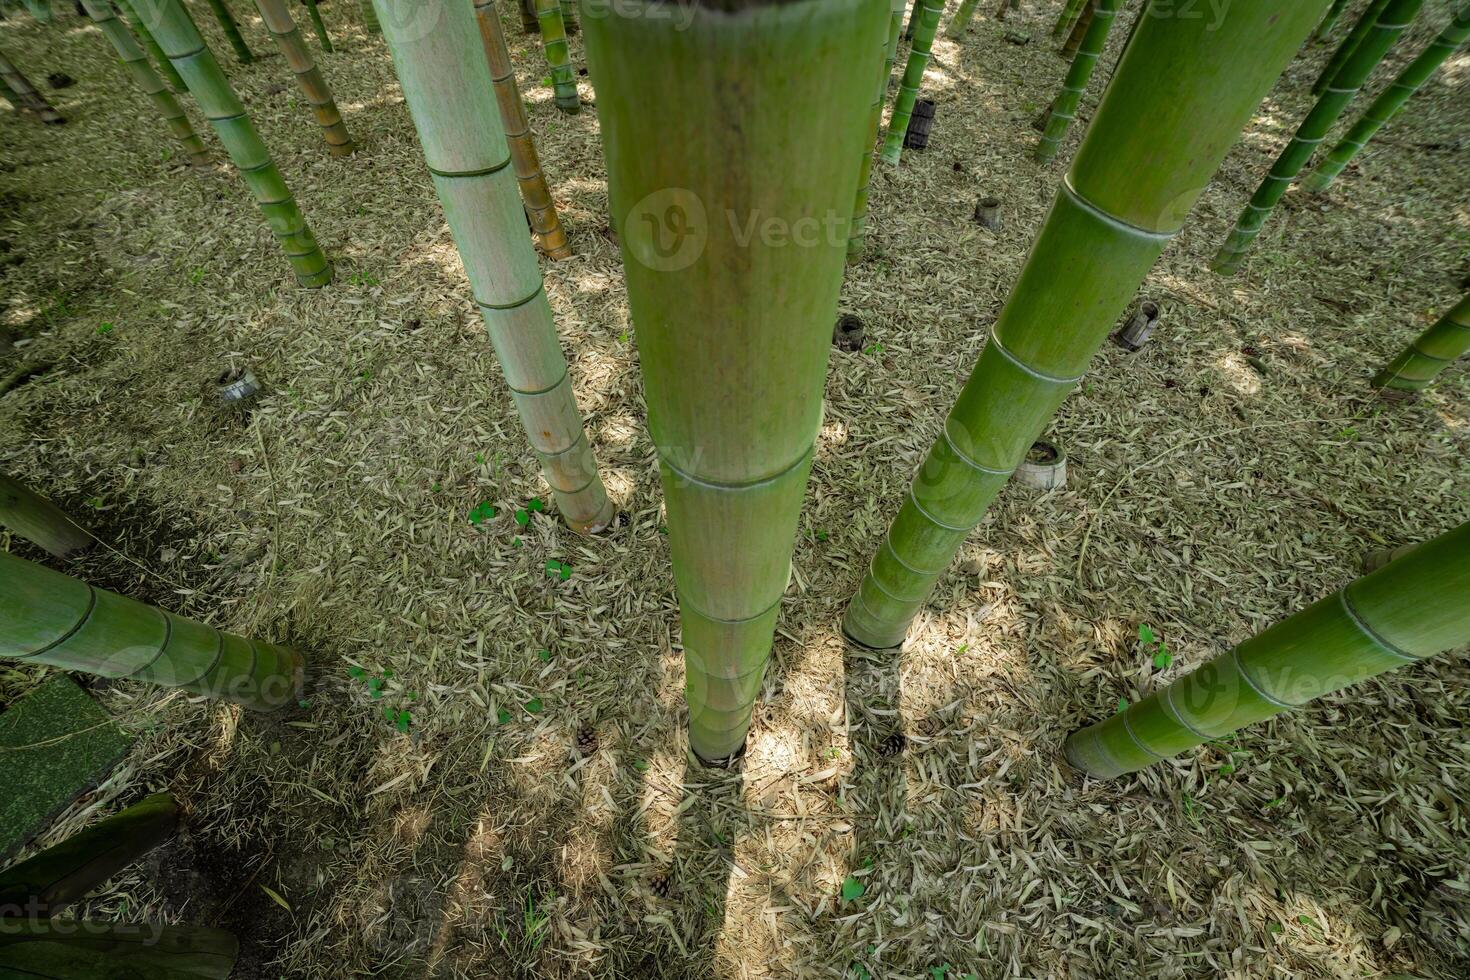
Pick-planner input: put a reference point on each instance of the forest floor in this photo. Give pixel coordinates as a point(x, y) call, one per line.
point(1234, 470)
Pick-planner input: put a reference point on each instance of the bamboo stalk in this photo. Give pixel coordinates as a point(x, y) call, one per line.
point(534, 193)
point(1181, 94)
point(278, 21)
point(913, 79)
point(1064, 107)
point(1430, 353)
point(858, 240)
point(1409, 610)
point(558, 55)
point(445, 75)
point(318, 25)
point(1070, 12)
point(49, 882)
point(369, 17)
point(150, 44)
point(1080, 29)
point(40, 9)
point(962, 17)
point(25, 95)
point(82, 949)
point(1388, 104)
point(529, 23)
point(914, 10)
point(1344, 51)
point(734, 234)
point(38, 520)
point(136, 62)
point(227, 24)
point(51, 618)
point(1334, 14)
point(180, 40)
point(1395, 17)
point(569, 16)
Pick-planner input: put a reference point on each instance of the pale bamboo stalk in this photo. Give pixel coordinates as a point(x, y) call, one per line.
point(25, 94)
point(445, 77)
point(298, 58)
point(150, 44)
point(37, 519)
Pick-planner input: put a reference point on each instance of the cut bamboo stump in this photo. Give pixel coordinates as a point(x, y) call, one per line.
point(38, 520)
point(237, 389)
point(24, 94)
point(1139, 328)
point(847, 335)
point(921, 124)
point(278, 21)
point(987, 213)
point(1044, 468)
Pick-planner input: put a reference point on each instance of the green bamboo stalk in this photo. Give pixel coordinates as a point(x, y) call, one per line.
point(1181, 94)
point(1064, 107)
point(962, 17)
point(318, 25)
point(736, 230)
point(1430, 353)
point(136, 62)
point(913, 79)
point(527, 10)
point(1409, 610)
point(858, 240)
point(558, 55)
point(24, 94)
point(150, 43)
point(569, 16)
point(227, 24)
point(1387, 105)
point(1349, 44)
point(1390, 24)
point(1070, 13)
point(38, 520)
point(369, 17)
point(51, 618)
point(40, 9)
point(914, 10)
point(47, 883)
point(1334, 13)
point(180, 40)
point(73, 949)
point(536, 196)
point(298, 58)
point(1079, 30)
point(445, 75)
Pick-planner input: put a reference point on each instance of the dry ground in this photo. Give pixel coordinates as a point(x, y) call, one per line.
point(1209, 498)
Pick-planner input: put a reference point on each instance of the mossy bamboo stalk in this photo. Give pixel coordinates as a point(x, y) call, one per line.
point(1393, 99)
point(1391, 22)
point(136, 62)
point(243, 54)
point(858, 240)
point(180, 40)
point(734, 237)
point(369, 17)
point(38, 520)
point(913, 80)
point(318, 25)
point(1334, 14)
point(534, 193)
point(49, 882)
point(1079, 29)
point(1181, 94)
point(1064, 107)
point(1407, 611)
point(298, 58)
point(1344, 51)
point(81, 949)
point(446, 80)
point(558, 55)
point(1070, 12)
point(51, 618)
point(25, 94)
point(962, 17)
point(165, 67)
point(1430, 353)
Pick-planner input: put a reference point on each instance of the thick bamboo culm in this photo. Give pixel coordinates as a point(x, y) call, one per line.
point(858, 240)
point(536, 196)
point(962, 17)
point(51, 881)
point(1080, 29)
point(1349, 44)
point(136, 62)
point(318, 25)
point(1180, 96)
point(1393, 99)
point(1430, 353)
point(278, 21)
point(913, 80)
point(180, 40)
point(558, 55)
point(91, 949)
point(51, 618)
point(735, 433)
point(165, 67)
point(445, 76)
point(38, 520)
point(243, 54)
point(1070, 12)
point(1409, 610)
point(1394, 18)
point(369, 17)
point(25, 95)
point(1334, 14)
point(1064, 107)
